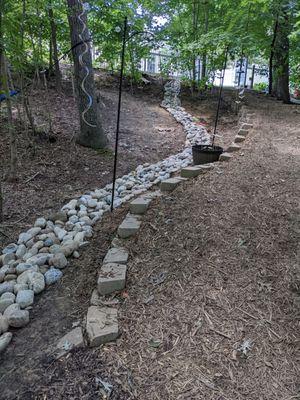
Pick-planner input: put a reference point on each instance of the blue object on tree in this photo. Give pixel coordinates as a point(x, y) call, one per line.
point(11, 94)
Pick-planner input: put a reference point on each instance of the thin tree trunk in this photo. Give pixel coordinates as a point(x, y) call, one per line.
point(50, 58)
point(206, 22)
point(282, 58)
point(272, 56)
point(54, 48)
point(12, 132)
point(91, 133)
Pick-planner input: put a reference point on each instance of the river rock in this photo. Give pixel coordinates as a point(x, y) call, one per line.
point(21, 251)
point(58, 216)
point(7, 287)
point(39, 259)
point(16, 317)
point(3, 324)
point(40, 223)
point(5, 339)
point(20, 286)
point(6, 258)
point(59, 232)
point(4, 303)
point(70, 206)
point(22, 267)
point(59, 260)
point(36, 282)
point(24, 237)
point(52, 276)
point(23, 277)
point(25, 298)
point(33, 252)
point(10, 277)
point(11, 248)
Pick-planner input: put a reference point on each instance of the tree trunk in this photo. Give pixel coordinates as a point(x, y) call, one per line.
point(272, 56)
point(204, 56)
point(54, 48)
point(11, 130)
point(282, 46)
point(91, 132)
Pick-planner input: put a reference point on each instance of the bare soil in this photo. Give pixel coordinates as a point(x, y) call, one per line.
point(216, 263)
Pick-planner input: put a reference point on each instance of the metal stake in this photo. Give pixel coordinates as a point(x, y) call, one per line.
point(119, 113)
point(220, 96)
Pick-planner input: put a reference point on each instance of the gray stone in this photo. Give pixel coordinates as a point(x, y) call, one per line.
point(23, 278)
point(117, 255)
point(5, 339)
point(128, 227)
point(7, 287)
point(33, 252)
point(225, 157)
point(6, 258)
point(3, 324)
point(21, 251)
point(59, 232)
point(239, 139)
point(233, 147)
point(59, 261)
point(10, 249)
point(8, 295)
point(246, 126)
point(25, 298)
point(22, 267)
point(24, 237)
point(55, 249)
point(10, 277)
point(170, 184)
point(39, 259)
point(4, 303)
point(40, 223)
point(36, 282)
point(59, 216)
point(16, 317)
point(71, 340)
point(101, 325)
point(95, 298)
point(243, 132)
point(112, 278)
point(52, 276)
point(195, 170)
point(20, 286)
point(139, 206)
point(34, 231)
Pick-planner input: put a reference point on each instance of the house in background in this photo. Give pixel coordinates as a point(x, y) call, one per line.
point(236, 74)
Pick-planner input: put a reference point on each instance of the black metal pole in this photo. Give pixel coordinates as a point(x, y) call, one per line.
point(220, 96)
point(119, 113)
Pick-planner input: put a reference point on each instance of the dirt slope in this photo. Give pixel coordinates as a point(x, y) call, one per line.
point(225, 251)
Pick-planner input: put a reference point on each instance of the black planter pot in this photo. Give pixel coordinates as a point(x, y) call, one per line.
point(203, 154)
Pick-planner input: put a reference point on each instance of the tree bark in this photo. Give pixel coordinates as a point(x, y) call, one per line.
point(54, 48)
point(204, 57)
point(271, 59)
point(282, 46)
point(91, 132)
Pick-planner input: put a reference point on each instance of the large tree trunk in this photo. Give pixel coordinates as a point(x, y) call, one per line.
point(91, 132)
point(54, 48)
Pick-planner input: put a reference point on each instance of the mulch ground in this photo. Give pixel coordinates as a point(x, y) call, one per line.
point(211, 307)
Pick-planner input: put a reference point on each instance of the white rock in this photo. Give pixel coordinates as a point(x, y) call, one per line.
point(34, 231)
point(40, 223)
point(16, 317)
point(3, 324)
point(21, 251)
point(71, 205)
point(24, 237)
point(36, 282)
point(39, 259)
point(23, 277)
point(20, 286)
point(59, 232)
point(59, 261)
point(5, 339)
point(25, 298)
point(7, 287)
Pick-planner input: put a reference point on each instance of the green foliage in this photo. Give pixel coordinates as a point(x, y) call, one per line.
point(260, 87)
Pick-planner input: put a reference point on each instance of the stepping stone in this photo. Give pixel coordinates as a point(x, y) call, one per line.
point(70, 341)
point(112, 278)
point(195, 170)
point(140, 205)
point(246, 126)
point(129, 227)
point(101, 325)
point(233, 147)
point(225, 157)
point(243, 132)
point(116, 255)
point(170, 184)
point(239, 139)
